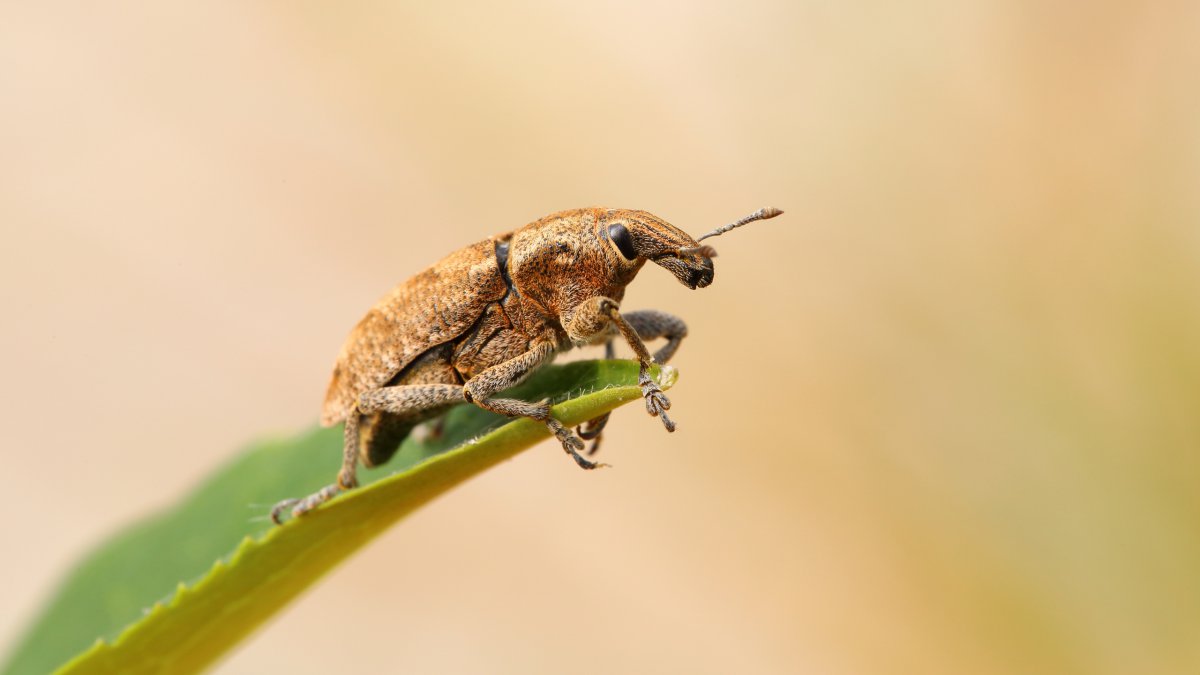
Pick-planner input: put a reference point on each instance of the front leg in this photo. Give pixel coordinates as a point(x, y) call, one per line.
point(594, 316)
point(481, 388)
point(649, 324)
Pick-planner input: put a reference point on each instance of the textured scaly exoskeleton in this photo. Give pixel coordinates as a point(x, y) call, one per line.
point(485, 317)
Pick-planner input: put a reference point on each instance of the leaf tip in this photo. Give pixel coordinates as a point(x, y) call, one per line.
point(668, 376)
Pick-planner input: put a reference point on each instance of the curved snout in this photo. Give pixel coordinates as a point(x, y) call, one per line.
point(694, 272)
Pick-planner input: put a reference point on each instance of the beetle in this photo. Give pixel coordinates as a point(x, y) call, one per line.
point(486, 316)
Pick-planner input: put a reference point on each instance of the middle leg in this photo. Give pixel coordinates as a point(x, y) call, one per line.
point(481, 389)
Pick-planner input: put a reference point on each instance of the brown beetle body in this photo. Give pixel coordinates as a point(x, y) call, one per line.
point(486, 316)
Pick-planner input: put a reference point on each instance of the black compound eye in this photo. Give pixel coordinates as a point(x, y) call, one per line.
point(620, 236)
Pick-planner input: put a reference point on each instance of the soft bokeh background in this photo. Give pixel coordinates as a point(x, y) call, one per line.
point(939, 418)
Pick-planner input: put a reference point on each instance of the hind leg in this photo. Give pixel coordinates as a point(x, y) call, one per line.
point(390, 413)
point(404, 399)
point(304, 504)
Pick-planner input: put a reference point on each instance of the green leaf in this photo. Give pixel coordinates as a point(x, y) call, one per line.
point(173, 593)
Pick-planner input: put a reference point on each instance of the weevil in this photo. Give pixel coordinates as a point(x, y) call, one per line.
point(486, 316)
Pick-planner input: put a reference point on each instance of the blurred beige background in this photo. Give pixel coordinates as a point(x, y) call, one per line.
point(939, 418)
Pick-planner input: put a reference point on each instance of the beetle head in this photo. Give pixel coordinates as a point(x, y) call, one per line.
point(637, 236)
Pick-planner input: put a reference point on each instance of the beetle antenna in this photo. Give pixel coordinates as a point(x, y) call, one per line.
point(708, 251)
point(761, 214)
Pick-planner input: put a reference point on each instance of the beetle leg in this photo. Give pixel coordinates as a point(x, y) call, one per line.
point(437, 428)
point(651, 323)
point(657, 403)
point(347, 477)
point(593, 430)
point(390, 413)
point(596, 314)
point(399, 400)
point(480, 389)
point(406, 399)
point(306, 504)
